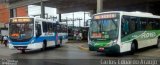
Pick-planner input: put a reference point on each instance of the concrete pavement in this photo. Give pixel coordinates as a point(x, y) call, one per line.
point(71, 54)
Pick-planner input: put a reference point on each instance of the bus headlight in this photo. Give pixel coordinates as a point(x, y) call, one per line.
point(32, 41)
point(112, 43)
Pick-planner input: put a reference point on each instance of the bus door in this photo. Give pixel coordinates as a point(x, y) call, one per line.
point(57, 28)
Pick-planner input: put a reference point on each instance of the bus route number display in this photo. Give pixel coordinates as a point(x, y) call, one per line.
point(103, 16)
point(96, 35)
point(21, 20)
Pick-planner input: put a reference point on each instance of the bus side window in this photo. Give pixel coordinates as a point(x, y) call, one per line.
point(149, 25)
point(44, 26)
point(154, 24)
point(124, 26)
point(63, 27)
point(157, 24)
point(58, 28)
point(66, 28)
point(143, 23)
point(49, 29)
point(132, 24)
point(138, 24)
point(38, 30)
point(54, 27)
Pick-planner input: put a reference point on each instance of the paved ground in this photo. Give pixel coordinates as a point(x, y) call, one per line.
point(71, 54)
point(150, 51)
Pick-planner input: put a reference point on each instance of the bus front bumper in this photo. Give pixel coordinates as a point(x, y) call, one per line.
point(112, 49)
point(25, 47)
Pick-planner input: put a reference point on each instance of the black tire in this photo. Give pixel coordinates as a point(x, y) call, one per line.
point(133, 48)
point(23, 51)
point(44, 45)
point(158, 44)
point(59, 45)
point(90, 48)
point(61, 41)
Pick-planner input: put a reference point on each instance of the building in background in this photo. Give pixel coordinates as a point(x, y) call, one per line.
point(22, 11)
point(34, 10)
point(5, 13)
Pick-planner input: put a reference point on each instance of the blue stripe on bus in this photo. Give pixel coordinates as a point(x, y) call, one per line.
point(40, 39)
point(48, 38)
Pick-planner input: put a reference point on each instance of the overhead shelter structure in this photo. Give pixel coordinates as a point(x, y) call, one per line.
point(93, 6)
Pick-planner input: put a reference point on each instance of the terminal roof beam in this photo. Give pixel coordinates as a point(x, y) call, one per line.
point(66, 6)
point(19, 3)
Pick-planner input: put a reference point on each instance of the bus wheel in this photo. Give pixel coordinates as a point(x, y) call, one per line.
point(90, 48)
point(133, 48)
point(60, 42)
point(158, 43)
point(23, 51)
point(44, 45)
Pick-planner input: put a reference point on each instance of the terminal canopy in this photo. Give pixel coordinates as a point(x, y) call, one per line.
point(66, 6)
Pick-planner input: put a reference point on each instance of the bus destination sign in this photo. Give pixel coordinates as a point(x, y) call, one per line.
point(20, 20)
point(105, 16)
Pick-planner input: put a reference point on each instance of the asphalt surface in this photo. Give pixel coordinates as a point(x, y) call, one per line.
point(74, 53)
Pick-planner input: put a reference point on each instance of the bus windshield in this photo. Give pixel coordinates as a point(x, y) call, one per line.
point(21, 31)
point(104, 29)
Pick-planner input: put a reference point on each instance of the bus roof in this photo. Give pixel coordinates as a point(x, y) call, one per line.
point(135, 13)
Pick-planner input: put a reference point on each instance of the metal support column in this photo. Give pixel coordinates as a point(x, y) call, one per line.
point(99, 6)
point(84, 18)
point(42, 10)
point(73, 19)
point(60, 17)
point(79, 22)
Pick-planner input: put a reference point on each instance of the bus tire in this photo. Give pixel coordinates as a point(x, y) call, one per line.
point(158, 44)
point(133, 48)
point(44, 45)
point(23, 51)
point(61, 41)
point(90, 48)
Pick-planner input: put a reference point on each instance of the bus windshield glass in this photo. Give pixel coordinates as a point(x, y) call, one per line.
point(21, 30)
point(105, 28)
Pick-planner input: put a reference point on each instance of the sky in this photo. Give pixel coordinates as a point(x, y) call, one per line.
point(36, 10)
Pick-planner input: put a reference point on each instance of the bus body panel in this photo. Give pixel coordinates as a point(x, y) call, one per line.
point(141, 41)
point(144, 38)
point(63, 36)
point(125, 47)
point(146, 43)
point(35, 42)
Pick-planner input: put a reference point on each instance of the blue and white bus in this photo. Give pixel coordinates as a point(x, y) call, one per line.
point(29, 33)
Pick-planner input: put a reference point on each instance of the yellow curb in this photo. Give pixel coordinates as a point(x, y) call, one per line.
point(83, 48)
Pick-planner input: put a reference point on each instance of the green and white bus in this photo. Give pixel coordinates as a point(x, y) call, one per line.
point(119, 31)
